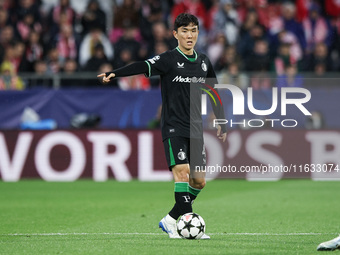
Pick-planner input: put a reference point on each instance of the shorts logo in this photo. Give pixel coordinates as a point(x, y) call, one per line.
point(181, 155)
point(204, 66)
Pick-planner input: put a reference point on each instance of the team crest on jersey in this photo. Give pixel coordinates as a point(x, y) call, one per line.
point(204, 66)
point(181, 155)
point(179, 65)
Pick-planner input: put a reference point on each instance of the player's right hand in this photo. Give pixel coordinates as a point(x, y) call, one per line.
point(106, 79)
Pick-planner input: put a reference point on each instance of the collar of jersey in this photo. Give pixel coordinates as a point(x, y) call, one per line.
point(177, 48)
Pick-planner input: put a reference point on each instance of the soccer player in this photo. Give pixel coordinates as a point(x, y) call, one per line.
point(183, 73)
point(330, 245)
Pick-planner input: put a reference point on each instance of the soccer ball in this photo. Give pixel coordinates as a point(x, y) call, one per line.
point(191, 226)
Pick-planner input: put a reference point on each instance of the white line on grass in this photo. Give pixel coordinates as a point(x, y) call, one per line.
point(156, 234)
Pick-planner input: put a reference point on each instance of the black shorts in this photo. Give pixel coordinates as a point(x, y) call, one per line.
point(182, 150)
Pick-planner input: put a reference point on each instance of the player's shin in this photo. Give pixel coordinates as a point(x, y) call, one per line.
point(182, 197)
point(193, 193)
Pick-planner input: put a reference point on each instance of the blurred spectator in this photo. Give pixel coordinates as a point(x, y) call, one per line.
point(160, 47)
point(247, 41)
point(6, 36)
point(320, 70)
point(53, 61)
point(6, 4)
point(93, 38)
point(260, 80)
point(288, 22)
point(66, 43)
point(227, 21)
point(259, 7)
point(60, 15)
point(70, 68)
point(232, 75)
point(8, 78)
point(150, 12)
point(212, 11)
point(228, 57)
point(93, 17)
point(250, 21)
point(26, 25)
point(63, 7)
point(286, 37)
point(41, 80)
point(97, 59)
point(34, 48)
point(16, 55)
point(216, 48)
point(127, 48)
point(259, 60)
point(23, 7)
point(104, 68)
point(283, 59)
point(316, 29)
point(290, 78)
point(320, 56)
point(3, 18)
point(125, 15)
point(160, 35)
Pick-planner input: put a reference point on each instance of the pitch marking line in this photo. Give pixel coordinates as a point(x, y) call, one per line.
point(156, 234)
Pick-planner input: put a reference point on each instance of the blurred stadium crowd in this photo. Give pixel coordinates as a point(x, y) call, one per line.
point(284, 38)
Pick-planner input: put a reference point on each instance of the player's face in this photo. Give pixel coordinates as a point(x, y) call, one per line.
point(187, 37)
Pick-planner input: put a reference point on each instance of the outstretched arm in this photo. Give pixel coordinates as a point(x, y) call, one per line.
point(140, 67)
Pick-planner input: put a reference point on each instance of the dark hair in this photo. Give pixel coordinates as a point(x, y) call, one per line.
point(184, 19)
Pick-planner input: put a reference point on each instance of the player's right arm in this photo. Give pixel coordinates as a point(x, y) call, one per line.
point(154, 66)
point(140, 67)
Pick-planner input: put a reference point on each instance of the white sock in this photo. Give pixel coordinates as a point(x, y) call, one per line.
point(169, 219)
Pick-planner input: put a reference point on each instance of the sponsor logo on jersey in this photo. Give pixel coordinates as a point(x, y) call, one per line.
point(179, 65)
point(181, 155)
point(188, 79)
point(204, 66)
point(154, 59)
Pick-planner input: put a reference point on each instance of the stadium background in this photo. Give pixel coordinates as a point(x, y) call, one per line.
point(51, 51)
point(82, 165)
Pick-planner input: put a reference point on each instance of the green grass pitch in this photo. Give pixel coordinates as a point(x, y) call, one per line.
point(85, 217)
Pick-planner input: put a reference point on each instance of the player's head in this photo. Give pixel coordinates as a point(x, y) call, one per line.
point(185, 19)
point(186, 31)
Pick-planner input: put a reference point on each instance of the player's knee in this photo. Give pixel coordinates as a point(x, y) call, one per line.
point(198, 183)
point(181, 173)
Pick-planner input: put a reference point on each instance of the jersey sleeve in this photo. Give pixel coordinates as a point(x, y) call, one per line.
point(218, 108)
point(211, 75)
point(159, 64)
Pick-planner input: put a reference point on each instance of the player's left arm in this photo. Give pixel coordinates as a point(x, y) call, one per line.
point(218, 108)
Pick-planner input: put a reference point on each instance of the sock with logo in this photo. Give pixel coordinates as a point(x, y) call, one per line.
point(193, 193)
point(183, 201)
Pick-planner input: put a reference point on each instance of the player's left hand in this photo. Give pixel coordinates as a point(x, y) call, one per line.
point(220, 135)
